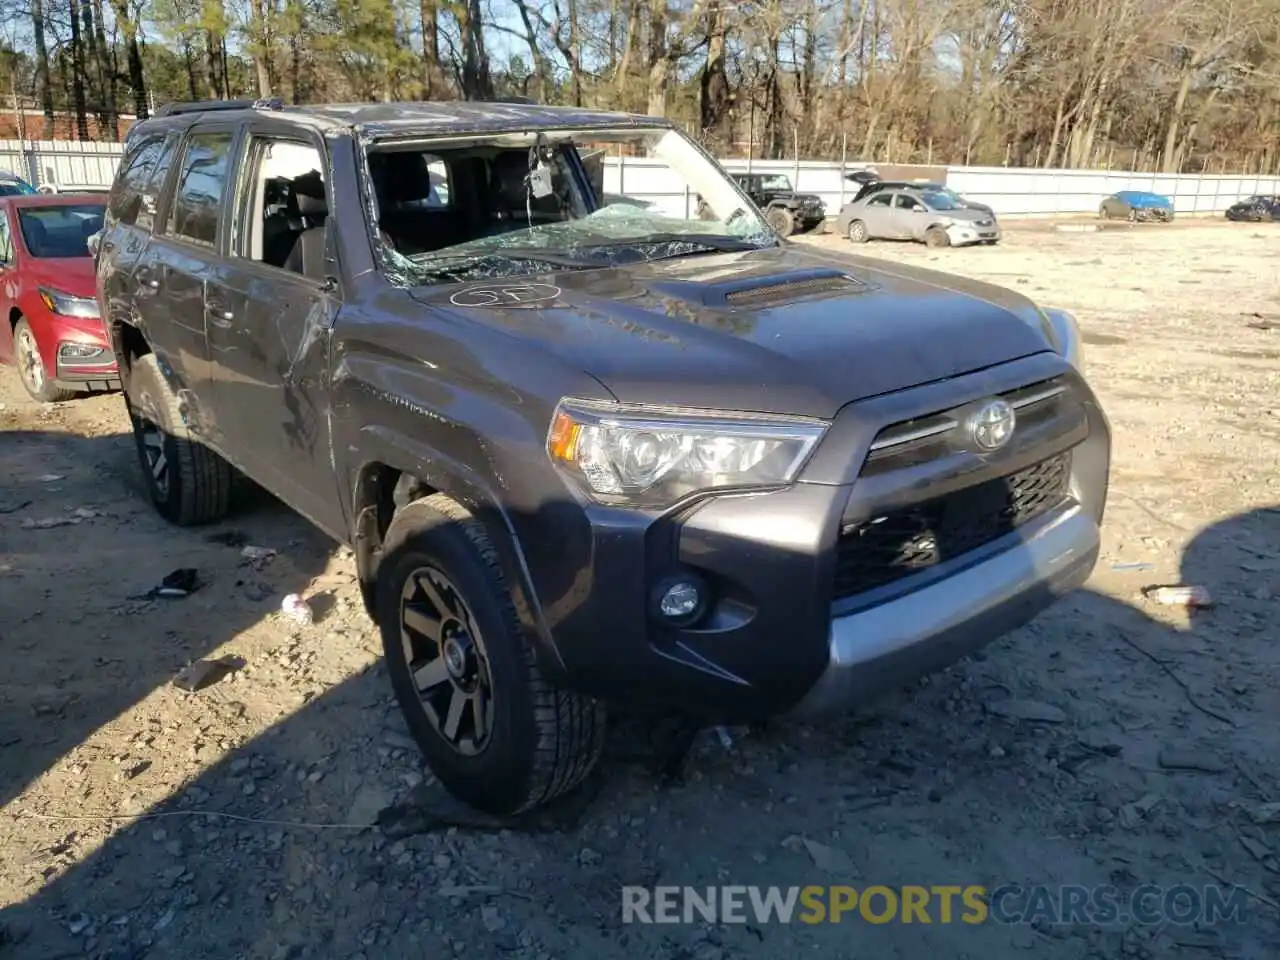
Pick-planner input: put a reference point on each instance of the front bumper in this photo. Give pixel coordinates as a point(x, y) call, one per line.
point(899, 641)
point(781, 633)
point(76, 371)
point(962, 234)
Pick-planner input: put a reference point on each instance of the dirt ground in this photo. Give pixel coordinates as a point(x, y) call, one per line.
point(140, 820)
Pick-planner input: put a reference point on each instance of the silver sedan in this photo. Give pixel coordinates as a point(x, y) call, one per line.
point(926, 216)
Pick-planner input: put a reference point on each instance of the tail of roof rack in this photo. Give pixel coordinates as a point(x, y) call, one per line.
point(201, 106)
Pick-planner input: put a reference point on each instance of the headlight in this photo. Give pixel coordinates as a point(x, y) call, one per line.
point(1066, 333)
point(68, 305)
point(656, 456)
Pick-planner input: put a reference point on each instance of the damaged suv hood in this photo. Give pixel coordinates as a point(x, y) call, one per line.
point(780, 330)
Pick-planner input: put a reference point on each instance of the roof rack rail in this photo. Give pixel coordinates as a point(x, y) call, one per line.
point(525, 101)
point(201, 106)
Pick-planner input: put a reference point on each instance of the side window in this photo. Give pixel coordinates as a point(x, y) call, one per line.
point(282, 207)
point(126, 195)
point(438, 175)
point(202, 180)
point(150, 193)
point(6, 241)
point(880, 200)
point(905, 201)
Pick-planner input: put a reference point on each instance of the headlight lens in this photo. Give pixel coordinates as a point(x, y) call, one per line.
point(656, 456)
point(68, 305)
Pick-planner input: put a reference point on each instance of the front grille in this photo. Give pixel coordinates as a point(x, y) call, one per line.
point(880, 551)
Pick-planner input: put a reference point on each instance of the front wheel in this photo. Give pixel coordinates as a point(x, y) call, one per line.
point(492, 729)
point(31, 369)
point(937, 237)
point(188, 483)
point(858, 232)
point(783, 223)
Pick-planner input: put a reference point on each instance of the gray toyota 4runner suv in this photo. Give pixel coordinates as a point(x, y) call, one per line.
point(588, 453)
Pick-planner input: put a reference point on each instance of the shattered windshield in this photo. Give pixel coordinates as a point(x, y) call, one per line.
point(519, 204)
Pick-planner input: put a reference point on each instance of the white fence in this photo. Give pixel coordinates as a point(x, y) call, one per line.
point(1011, 191)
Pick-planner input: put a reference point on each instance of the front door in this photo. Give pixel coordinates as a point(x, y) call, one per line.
point(910, 217)
point(270, 308)
point(8, 285)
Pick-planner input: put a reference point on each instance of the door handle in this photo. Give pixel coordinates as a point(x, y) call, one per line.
point(218, 316)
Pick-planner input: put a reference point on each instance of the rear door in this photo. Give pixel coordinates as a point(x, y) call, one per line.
point(182, 258)
point(270, 308)
point(878, 216)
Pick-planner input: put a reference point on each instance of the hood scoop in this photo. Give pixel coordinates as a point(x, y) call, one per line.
point(788, 288)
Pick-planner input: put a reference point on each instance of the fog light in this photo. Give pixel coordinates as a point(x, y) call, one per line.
point(680, 600)
point(79, 351)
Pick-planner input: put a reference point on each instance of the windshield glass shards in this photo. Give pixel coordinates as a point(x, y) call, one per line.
point(520, 204)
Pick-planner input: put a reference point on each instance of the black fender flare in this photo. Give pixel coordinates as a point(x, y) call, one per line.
point(378, 447)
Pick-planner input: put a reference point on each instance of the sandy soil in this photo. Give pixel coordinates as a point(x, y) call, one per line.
point(139, 820)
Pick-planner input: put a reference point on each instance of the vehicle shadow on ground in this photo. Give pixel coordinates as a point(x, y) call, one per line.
point(264, 855)
point(79, 548)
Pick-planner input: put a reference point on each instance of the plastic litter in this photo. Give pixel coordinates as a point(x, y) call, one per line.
point(177, 584)
point(297, 610)
point(1135, 565)
point(254, 554)
point(205, 673)
point(1179, 595)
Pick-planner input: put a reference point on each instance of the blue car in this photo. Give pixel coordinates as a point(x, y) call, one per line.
point(1136, 205)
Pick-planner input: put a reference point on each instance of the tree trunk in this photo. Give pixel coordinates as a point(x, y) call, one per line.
point(260, 29)
point(714, 97)
point(433, 81)
point(78, 99)
point(134, 56)
point(1175, 119)
point(106, 72)
point(658, 63)
point(476, 82)
point(44, 86)
point(189, 61)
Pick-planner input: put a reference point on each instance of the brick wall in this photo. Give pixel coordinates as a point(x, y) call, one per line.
point(64, 126)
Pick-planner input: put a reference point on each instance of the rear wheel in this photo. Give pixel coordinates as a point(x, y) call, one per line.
point(858, 232)
point(783, 223)
point(492, 729)
point(188, 483)
point(937, 237)
point(31, 370)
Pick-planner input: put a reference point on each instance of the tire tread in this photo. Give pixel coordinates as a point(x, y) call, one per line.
point(570, 727)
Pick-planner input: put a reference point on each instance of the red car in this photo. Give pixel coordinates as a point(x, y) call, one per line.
point(50, 328)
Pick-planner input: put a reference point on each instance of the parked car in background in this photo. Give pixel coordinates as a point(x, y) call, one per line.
point(1136, 205)
point(927, 216)
point(587, 455)
point(51, 330)
point(1255, 209)
point(12, 185)
point(876, 186)
point(785, 210)
point(73, 188)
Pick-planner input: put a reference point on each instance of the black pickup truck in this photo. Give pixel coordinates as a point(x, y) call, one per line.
point(588, 453)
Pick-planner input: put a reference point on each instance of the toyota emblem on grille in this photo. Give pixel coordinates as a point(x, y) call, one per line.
point(992, 425)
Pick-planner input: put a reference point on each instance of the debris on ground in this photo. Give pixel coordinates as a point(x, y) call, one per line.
point(1175, 759)
point(829, 859)
point(257, 554)
point(14, 507)
point(1265, 814)
point(51, 478)
point(78, 515)
point(176, 584)
point(205, 673)
point(1027, 710)
point(297, 609)
point(227, 538)
point(1179, 595)
point(1133, 565)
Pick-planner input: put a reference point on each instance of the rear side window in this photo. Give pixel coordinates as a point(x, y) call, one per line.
point(155, 183)
point(202, 181)
point(880, 200)
point(126, 195)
